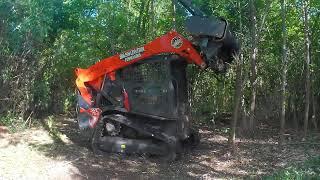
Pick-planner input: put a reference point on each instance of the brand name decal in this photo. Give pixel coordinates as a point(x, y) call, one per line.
point(133, 54)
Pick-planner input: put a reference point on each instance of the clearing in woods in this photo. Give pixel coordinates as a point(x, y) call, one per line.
point(34, 154)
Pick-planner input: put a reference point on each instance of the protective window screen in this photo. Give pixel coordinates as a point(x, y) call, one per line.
point(149, 87)
point(147, 72)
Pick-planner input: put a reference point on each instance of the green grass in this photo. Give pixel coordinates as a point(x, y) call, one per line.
point(13, 122)
point(307, 170)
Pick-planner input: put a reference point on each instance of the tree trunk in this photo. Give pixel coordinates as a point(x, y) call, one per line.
point(145, 21)
point(130, 5)
point(153, 30)
point(254, 53)
point(174, 20)
point(307, 65)
point(294, 111)
point(238, 93)
point(237, 100)
point(314, 113)
point(140, 19)
point(284, 70)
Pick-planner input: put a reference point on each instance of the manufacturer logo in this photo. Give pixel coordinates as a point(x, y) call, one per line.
point(133, 54)
point(177, 42)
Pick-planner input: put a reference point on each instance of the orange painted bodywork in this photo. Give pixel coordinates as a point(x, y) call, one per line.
point(94, 75)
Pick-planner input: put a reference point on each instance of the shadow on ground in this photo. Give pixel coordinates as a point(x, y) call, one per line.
point(211, 159)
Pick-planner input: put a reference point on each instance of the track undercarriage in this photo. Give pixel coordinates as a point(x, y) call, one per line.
point(120, 134)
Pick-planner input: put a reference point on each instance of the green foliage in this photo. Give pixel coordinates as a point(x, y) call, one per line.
point(50, 126)
point(13, 122)
point(308, 170)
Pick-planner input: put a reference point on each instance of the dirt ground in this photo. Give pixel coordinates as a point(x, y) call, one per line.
point(34, 154)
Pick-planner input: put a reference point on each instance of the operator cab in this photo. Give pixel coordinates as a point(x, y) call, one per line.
point(156, 86)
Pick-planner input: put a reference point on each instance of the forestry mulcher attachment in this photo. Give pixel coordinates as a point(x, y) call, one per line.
point(137, 101)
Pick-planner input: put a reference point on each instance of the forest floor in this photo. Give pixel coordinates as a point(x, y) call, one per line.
point(63, 154)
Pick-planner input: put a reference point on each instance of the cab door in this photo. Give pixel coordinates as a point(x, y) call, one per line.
point(150, 88)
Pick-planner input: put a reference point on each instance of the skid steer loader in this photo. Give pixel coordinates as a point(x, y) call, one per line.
point(137, 101)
